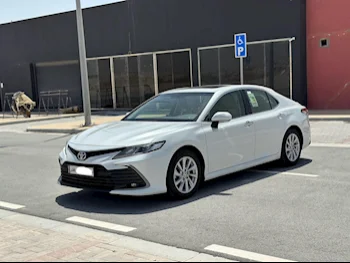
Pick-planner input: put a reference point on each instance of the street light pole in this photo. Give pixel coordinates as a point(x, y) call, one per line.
point(83, 65)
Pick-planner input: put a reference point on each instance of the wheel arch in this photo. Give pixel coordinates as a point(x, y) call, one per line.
point(298, 129)
point(196, 151)
point(171, 188)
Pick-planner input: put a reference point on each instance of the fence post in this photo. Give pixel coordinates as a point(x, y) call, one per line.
point(2, 101)
point(291, 67)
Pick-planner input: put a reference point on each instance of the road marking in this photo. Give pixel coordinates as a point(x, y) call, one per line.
point(10, 206)
point(285, 173)
point(330, 145)
point(244, 254)
point(101, 224)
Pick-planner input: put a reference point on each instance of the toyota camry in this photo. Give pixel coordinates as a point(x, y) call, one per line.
point(181, 138)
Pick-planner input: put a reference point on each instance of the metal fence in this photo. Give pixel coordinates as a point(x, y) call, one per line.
point(125, 81)
point(6, 100)
point(269, 63)
point(55, 99)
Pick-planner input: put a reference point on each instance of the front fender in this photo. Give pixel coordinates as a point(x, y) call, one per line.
point(196, 140)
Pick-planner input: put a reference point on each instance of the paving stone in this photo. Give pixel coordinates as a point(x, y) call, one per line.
point(23, 240)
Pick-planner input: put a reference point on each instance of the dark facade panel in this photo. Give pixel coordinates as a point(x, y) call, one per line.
point(61, 77)
point(173, 24)
point(16, 77)
point(54, 38)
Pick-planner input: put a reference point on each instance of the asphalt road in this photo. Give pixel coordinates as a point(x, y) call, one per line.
point(302, 215)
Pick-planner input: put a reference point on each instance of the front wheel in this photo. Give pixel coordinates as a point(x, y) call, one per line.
point(291, 148)
point(185, 174)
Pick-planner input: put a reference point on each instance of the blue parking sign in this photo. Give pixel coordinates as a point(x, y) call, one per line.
point(241, 45)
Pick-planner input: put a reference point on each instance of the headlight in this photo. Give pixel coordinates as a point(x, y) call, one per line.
point(130, 151)
point(65, 148)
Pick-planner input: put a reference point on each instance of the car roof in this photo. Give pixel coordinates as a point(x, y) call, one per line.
point(212, 89)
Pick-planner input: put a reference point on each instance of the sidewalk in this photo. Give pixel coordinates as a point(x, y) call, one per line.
point(25, 238)
point(72, 127)
point(9, 119)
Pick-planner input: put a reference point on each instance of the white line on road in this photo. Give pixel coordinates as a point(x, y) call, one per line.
point(244, 254)
point(101, 224)
point(330, 145)
point(10, 206)
point(285, 173)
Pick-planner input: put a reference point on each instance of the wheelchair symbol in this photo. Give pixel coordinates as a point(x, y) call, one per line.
point(240, 41)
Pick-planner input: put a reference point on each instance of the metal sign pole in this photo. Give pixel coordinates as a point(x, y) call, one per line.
point(242, 72)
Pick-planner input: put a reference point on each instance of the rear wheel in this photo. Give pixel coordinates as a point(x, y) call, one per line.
point(291, 148)
point(185, 174)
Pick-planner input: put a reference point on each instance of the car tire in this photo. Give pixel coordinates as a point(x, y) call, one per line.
point(291, 148)
point(191, 177)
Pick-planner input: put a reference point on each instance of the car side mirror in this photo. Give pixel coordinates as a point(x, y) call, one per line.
point(220, 117)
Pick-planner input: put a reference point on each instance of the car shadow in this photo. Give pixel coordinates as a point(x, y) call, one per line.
point(104, 203)
point(277, 166)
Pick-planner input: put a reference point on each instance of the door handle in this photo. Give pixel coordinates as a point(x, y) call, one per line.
point(249, 123)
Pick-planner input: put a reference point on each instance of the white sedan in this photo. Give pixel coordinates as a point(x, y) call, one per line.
point(183, 137)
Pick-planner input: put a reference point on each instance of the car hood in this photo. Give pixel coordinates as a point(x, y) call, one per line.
point(125, 133)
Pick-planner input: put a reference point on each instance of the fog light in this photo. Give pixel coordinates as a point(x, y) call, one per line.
point(133, 185)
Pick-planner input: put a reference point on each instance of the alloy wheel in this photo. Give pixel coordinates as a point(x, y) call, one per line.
point(186, 175)
point(293, 147)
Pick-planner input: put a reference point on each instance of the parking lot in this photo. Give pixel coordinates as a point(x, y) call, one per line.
point(299, 214)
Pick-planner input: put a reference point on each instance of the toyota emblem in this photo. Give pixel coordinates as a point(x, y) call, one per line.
point(82, 156)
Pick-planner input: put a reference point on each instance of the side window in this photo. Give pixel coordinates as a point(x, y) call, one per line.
point(259, 101)
point(274, 103)
point(232, 103)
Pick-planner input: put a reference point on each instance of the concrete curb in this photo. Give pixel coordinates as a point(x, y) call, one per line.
point(330, 118)
point(66, 131)
point(120, 241)
point(40, 120)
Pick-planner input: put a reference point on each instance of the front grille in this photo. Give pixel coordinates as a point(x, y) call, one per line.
point(96, 153)
point(103, 179)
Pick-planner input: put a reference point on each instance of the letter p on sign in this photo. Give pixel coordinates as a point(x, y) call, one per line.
point(240, 51)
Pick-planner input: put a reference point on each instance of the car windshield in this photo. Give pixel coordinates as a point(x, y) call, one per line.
point(172, 107)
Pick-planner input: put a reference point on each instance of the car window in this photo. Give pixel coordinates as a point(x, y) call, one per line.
point(171, 107)
point(232, 103)
point(274, 102)
point(259, 101)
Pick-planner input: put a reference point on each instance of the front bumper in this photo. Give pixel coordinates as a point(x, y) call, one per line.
point(139, 175)
point(103, 179)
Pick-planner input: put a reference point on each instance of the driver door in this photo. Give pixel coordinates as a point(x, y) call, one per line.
point(232, 143)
